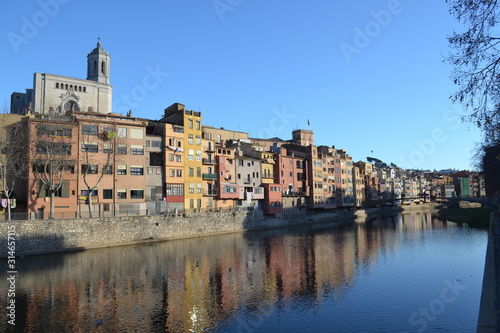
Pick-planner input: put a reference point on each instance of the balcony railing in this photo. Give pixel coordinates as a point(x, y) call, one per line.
point(287, 193)
point(209, 161)
point(209, 176)
point(210, 193)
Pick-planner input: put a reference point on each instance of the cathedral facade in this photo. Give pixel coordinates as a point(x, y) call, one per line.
point(57, 95)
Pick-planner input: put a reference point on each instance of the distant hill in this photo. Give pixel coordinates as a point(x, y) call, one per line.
point(448, 171)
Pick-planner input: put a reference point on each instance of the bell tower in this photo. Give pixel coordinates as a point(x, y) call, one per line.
point(98, 64)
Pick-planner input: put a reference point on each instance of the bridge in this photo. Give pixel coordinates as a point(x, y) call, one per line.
point(484, 201)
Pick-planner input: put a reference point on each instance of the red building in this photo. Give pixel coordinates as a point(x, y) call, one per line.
point(272, 199)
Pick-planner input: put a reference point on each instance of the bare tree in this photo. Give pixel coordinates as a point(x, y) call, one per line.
point(13, 156)
point(475, 57)
point(96, 160)
point(51, 158)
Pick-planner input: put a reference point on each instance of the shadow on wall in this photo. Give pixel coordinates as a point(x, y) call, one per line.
point(33, 245)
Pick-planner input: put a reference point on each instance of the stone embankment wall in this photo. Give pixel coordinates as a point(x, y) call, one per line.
point(45, 236)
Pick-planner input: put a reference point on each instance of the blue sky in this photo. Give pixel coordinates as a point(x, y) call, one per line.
point(368, 75)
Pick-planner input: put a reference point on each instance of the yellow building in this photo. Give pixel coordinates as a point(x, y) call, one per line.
point(176, 114)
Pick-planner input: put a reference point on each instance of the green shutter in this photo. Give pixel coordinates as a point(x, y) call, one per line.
point(65, 189)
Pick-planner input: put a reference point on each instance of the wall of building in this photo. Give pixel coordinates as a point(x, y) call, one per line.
point(52, 92)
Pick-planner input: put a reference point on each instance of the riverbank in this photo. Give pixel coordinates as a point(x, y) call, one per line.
point(49, 236)
point(475, 217)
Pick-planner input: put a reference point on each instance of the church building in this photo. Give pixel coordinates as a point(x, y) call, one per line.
point(55, 94)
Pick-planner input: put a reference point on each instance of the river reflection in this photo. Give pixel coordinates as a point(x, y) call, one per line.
point(385, 275)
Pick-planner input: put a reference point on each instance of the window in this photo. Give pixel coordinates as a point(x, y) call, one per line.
point(121, 193)
point(136, 194)
point(171, 157)
point(190, 139)
point(136, 133)
point(191, 172)
point(171, 142)
point(148, 143)
point(198, 125)
point(107, 169)
point(89, 169)
point(121, 170)
point(198, 140)
point(122, 149)
point(107, 148)
point(198, 155)
point(198, 172)
point(89, 129)
point(190, 123)
point(155, 159)
point(86, 193)
point(53, 148)
point(175, 189)
point(136, 150)
point(172, 172)
point(178, 158)
point(179, 172)
point(198, 188)
point(191, 188)
point(229, 189)
point(156, 144)
point(53, 130)
point(121, 132)
point(136, 171)
point(107, 194)
point(90, 147)
point(191, 154)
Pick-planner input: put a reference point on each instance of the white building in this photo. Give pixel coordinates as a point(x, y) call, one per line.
point(56, 94)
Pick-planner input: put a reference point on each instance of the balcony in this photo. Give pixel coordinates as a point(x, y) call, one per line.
point(210, 193)
point(208, 161)
point(288, 193)
point(209, 176)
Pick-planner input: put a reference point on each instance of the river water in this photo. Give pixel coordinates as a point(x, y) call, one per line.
point(408, 273)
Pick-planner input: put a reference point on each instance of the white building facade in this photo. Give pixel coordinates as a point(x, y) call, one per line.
point(56, 94)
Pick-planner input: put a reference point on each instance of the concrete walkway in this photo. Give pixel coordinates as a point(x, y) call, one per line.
point(489, 311)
